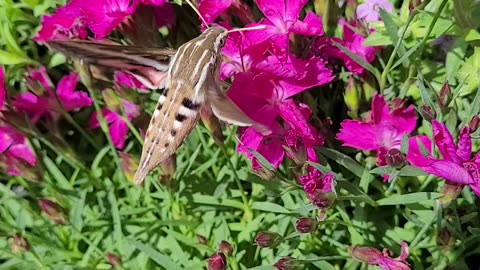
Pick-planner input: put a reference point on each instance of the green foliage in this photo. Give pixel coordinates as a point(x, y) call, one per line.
point(215, 194)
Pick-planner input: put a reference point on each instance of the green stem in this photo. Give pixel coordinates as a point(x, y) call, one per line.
point(426, 227)
point(87, 136)
point(246, 204)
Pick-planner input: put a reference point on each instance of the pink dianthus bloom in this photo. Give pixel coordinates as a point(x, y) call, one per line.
point(457, 164)
point(369, 10)
point(383, 129)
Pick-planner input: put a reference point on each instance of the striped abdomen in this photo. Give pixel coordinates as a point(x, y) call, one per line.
point(178, 109)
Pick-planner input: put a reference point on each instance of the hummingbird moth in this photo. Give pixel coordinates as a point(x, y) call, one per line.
point(189, 77)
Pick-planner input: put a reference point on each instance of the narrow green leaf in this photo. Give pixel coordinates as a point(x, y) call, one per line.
point(262, 160)
point(409, 198)
point(343, 160)
point(359, 61)
point(156, 256)
point(56, 174)
point(117, 223)
point(270, 207)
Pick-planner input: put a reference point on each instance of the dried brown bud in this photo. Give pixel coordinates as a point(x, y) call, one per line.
point(268, 239)
point(427, 112)
point(287, 263)
point(474, 123)
point(202, 240)
point(225, 248)
point(17, 244)
point(52, 210)
point(113, 260)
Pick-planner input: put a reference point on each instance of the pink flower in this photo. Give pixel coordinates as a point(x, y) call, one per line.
point(165, 15)
point(373, 256)
point(457, 165)
point(104, 15)
point(211, 9)
point(118, 129)
point(154, 2)
point(13, 148)
point(3, 92)
point(127, 79)
point(35, 106)
point(370, 8)
point(282, 19)
point(352, 41)
point(66, 23)
point(264, 98)
point(381, 131)
point(314, 180)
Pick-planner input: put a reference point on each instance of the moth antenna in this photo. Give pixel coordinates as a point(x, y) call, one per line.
point(258, 27)
point(198, 12)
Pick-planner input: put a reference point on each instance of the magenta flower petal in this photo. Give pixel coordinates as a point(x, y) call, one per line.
point(104, 15)
point(13, 144)
point(39, 77)
point(211, 9)
point(118, 132)
point(68, 22)
point(154, 2)
point(127, 79)
point(450, 171)
point(311, 26)
point(68, 97)
point(32, 105)
point(22, 151)
point(414, 154)
point(464, 145)
point(358, 135)
point(444, 141)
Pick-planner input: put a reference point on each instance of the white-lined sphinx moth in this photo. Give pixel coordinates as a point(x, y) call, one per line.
point(189, 76)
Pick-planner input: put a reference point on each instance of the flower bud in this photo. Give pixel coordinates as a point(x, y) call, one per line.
point(225, 248)
point(112, 100)
point(474, 123)
point(52, 210)
point(306, 225)
point(168, 169)
point(129, 164)
point(212, 124)
point(445, 240)
point(217, 262)
point(264, 174)
point(450, 192)
point(113, 260)
point(202, 240)
point(321, 199)
point(17, 244)
point(395, 158)
point(427, 112)
point(268, 239)
point(444, 96)
point(365, 254)
point(351, 97)
point(287, 263)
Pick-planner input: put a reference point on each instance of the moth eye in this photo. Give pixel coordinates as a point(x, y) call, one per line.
point(222, 42)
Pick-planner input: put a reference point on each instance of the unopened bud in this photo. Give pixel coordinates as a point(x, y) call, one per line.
point(129, 164)
point(113, 260)
point(395, 158)
point(427, 112)
point(212, 124)
point(168, 170)
point(445, 240)
point(17, 244)
point(268, 239)
point(365, 254)
point(217, 262)
point(351, 96)
point(474, 123)
point(306, 225)
point(52, 210)
point(202, 240)
point(225, 248)
point(450, 192)
point(444, 95)
point(287, 263)
point(265, 174)
point(321, 199)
